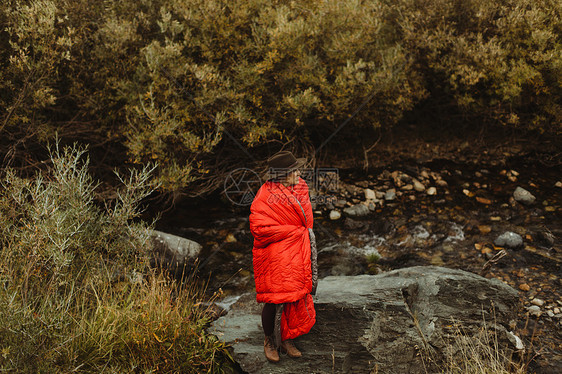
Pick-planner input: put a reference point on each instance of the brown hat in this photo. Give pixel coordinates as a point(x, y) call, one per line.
point(284, 162)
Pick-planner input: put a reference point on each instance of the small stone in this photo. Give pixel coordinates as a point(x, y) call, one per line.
point(335, 215)
point(379, 195)
point(523, 196)
point(371, 206)
point(495, 218)
point(477, 246)
point(412, 197)
point(407, 187)
point(515, 340)
point(556, 310)
point(483, 200)
point(418, 186)
point(513, 172)
point(534, 311)
point(441, 183)
point(357, 210)
point(431, 191)
point(424, 174)
point(509, 239)
point(550, 313)
point(369, 194)
point(524, 287)
point(558, 184)
point(230, 238)
point(390, 194)
point(550, 209)
point(538, 302)
point(484, 229)
point(340, 203)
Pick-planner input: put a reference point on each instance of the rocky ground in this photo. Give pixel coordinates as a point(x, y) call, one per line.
point(498, 222)
point(465, 216)
point(406, 321)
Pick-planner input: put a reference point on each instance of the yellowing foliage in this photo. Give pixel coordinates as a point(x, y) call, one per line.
point(167, 77)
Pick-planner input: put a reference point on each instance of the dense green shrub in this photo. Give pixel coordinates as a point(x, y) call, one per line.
point(493, 61)
point(171, 80)
point(76, 293)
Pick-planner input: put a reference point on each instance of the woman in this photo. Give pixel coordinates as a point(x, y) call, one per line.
point(284, 255)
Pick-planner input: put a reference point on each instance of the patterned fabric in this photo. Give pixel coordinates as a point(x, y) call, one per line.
point(314, 260)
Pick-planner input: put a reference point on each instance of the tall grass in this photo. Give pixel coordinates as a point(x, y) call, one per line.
point(480, 354)
point(76, 291)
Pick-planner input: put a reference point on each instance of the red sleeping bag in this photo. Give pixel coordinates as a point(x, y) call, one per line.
point(279, 221)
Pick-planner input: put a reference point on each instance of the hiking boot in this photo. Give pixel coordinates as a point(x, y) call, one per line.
point(269, 348)
point(288, 347)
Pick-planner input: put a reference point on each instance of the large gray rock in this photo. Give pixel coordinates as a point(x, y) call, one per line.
point(389, 321)
point(173, 251)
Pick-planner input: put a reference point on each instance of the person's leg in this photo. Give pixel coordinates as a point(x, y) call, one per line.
point(268, 318)
point(268, 323)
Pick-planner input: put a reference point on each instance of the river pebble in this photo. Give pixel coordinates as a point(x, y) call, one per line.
point(335, 215)
point(340, 203)
point(534, 311)
point(390, 194)
point(484, 229)
point(418, 186)
point(431, 191)
point(357, 210)
point(558, 184)
point(509, 239)
point(538, 302)
point(369, 194)
point(523, 196)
